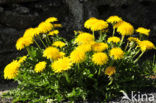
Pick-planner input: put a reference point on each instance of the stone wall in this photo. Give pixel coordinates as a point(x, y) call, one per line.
point(17, 15)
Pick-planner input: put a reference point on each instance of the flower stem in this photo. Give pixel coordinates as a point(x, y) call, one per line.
point(28, 50)
point(139, 57)
point(37, 44)
point(113, 31)
point(42, 42)
point(67, 77)
point(122, 39)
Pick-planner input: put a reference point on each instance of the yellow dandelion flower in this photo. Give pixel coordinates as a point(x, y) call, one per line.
point(99, 25)
point(23, 42)
point(51, 53)
point(57, 25)
point(116, 53)
point(78, 56)
point(39, 67)
point(45, 27)
point(99, 47)
point(84, 47)
point(110, 70)
point(22, 59)
point(29, 33)
point(125, 28)
point(51, 19)
point(144, 31)
point(61, 65)
point(55, 32)
point(100, 58)
point(146, 45)
point(114, 19)
point(113, 39)
point(61, 54)
point(117, 24)
point(58, 44)
point(84, 38)
point(134, 39)
point(11, 70)
point(88, 24)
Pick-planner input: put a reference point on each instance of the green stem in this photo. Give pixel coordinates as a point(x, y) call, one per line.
point(28, 50)
point(49, 39)
point(136, 53)
point(139, 57)
point(67, 77)
point(93, 33)
point(122, 39)
point(37, 44)
point(42, 42)
point(113, 31)
point(99, 72)
point(127, 46)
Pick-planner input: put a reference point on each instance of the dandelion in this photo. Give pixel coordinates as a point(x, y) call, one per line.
point(146, 45)
point(61, 65)
point(51, 19)
point(51, 53)
point(29, 33)
point(11, 70)
point(84, 38)
point(78, 56)
point(125, 28)
point(57, 25)
point(116, 53)
point(99, 25)
point(55, 32)
point(88, 24)
point(84, 47)
point(58, 44)
point(110, 70)
point(133, 39)
point(39, 67)
point(113, 39)
point(22, 59)
point(100, 58)
point(45, 27)
point(114, 19)
point(144, 31)
point(99, 47)
point(23, 42)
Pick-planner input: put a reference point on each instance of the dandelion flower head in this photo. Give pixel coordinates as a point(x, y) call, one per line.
point(134, 39)
point(39, 67)
point(84, 38)
point(58, 44)
point(22, 59)
point(61, 65)
point(114, 19)
point(110, 70)
point(11, 70)
point(125, 28)
point(54, 32)
point(99, 58)
point(51, 19)
point(144, 31)
point(146, 45)
point(116, 53)
point(99, 47)
point(51, 53)
point(45, 27)
point(23, 42)
point(84, 47)
point(113, 39)
point(78, 56)
point(99, 25)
